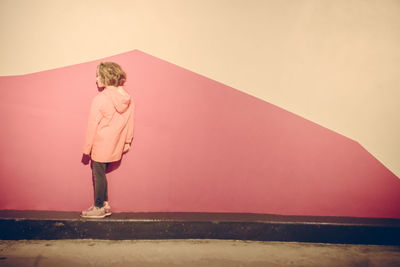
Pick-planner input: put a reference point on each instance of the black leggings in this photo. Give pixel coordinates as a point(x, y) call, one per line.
point(100, 183)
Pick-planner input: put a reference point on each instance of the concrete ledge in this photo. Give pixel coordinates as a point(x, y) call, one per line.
point(49, 225)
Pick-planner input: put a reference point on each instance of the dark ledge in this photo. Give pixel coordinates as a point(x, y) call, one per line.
point(47, 225)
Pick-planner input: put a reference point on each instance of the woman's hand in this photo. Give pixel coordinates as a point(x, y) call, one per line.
point(126, 148)
point(85, 159)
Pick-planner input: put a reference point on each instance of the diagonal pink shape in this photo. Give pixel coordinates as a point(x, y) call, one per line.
point(200, 146)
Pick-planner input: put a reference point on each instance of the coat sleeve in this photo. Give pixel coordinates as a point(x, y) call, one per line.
point(95, 116)
point(131, 123)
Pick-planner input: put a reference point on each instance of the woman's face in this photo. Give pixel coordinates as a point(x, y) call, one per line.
point(98, 80)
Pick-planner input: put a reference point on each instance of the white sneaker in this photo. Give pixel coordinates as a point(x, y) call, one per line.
point(95, 212)
point(107, 208)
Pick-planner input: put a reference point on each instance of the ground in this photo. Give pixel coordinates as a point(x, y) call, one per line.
point(227, 253)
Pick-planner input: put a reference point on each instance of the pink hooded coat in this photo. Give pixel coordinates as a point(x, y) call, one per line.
point(110, 125)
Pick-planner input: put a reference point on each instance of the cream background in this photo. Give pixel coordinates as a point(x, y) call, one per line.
point(336, 63)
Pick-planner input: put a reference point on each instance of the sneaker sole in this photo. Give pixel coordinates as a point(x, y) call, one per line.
point(94, 216)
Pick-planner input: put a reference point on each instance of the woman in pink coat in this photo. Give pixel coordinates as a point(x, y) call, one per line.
point(109, 132)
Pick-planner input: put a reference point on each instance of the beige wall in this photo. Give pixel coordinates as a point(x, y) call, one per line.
point(336, 63)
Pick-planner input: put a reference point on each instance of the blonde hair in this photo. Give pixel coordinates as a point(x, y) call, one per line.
point(111, 74)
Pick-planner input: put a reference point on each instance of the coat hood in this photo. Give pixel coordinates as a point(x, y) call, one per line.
point(120, 98)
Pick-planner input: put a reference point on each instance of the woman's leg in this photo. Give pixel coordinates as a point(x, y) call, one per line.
point(100, 183)
point(106, 186)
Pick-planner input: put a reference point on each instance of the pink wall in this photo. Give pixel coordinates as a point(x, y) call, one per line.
point(199, 146)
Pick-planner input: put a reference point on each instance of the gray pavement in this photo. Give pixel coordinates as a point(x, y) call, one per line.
point(208, 253)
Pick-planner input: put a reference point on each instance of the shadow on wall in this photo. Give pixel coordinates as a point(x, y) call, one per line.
point(199, 146)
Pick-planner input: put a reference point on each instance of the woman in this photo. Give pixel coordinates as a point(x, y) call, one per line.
point(109, 132)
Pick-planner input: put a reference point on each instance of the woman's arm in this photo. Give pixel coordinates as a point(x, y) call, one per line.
point(130, 126)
